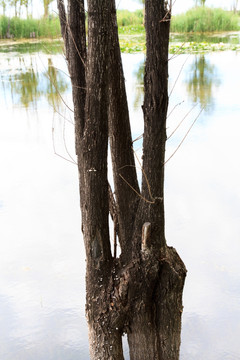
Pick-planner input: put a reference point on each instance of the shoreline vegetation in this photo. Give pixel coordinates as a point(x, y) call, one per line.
point(193, 29)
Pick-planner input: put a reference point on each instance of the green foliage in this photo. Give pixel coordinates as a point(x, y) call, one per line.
point(203, 19)
point(49, 27)
point(126, 18)
point(25, 28)
point(46, 4)
point(3, 26)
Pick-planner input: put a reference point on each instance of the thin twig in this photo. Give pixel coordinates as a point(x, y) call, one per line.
point(145, 176)
point(184, 137)
point(58, 112)
point(181, 121)
point(138, 138)
point(140, 195)
point(178, 76)
point(64, 72)
point(54, 148)
point(168, 12)
point(177, 52)
point(55, 86)
point(65, 144)
point(174, 109)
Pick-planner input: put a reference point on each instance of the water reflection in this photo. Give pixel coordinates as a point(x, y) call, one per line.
point(28, 79)
point(42, 256)
point(56, 85)
point(24, 85)
point(201, 78)
point(227, 37)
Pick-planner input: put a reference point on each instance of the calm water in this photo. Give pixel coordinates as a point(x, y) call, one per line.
point(227, 37)
point(42, 256)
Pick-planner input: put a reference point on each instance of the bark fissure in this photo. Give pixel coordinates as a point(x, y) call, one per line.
point(138, 293)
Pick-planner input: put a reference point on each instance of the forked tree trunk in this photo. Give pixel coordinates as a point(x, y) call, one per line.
point(140, 292)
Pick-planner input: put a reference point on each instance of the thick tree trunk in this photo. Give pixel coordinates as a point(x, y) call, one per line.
point(140, 292)
point(156, 325)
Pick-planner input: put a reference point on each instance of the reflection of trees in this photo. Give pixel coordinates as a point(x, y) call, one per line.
point(201, 79)
point(56, 85)
point(27, 85)
point(24, 85)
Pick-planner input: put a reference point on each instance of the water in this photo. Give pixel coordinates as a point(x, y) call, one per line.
point(232, 37)
point(42, 257)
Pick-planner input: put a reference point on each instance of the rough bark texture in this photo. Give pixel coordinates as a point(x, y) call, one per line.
point(123, 163)
point(140, 292)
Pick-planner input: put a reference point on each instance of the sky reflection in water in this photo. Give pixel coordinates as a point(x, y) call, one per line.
point(42, 255)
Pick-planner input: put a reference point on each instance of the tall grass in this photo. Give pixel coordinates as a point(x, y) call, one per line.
point(126, 18)
point(204, 19)
point(25, 28)
point(198, 19)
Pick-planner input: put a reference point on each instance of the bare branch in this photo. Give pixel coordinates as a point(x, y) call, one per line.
point(136, 192)
point(184, 137)
point(178, 76)
point(63, 22)
point(181, 122)
point(177, 52)
point(56, 153)
point(121, 140)
point(170, 113)
point(65, 144)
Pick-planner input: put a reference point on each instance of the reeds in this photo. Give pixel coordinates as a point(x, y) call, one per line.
point(204, 19)
point(126, 18)
point(17, 28)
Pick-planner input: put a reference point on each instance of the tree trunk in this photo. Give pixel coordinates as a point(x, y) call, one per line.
point(138, 293)
point(46, 7)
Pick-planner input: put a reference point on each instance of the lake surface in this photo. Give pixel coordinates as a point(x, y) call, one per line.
point(42, 259)
point(230, 37)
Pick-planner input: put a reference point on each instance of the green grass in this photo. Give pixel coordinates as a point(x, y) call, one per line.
point(128, 22)
point(204, 19)
point(126, 18)
point(24, 28)
point(132, 31)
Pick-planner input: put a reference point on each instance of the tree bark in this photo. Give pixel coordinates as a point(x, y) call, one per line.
point(138, 293)
point(123, 163)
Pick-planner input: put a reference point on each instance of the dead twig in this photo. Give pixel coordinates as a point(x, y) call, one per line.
point(181, 121)
point(184, 137)
point(178, 77)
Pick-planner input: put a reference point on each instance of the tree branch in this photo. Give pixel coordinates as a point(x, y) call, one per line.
point(77, 57)
point(155, 114)
point(121, 141)
point(63, 23)
point(94, 141)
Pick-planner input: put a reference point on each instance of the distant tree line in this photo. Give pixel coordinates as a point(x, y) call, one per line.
point(19, 5)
